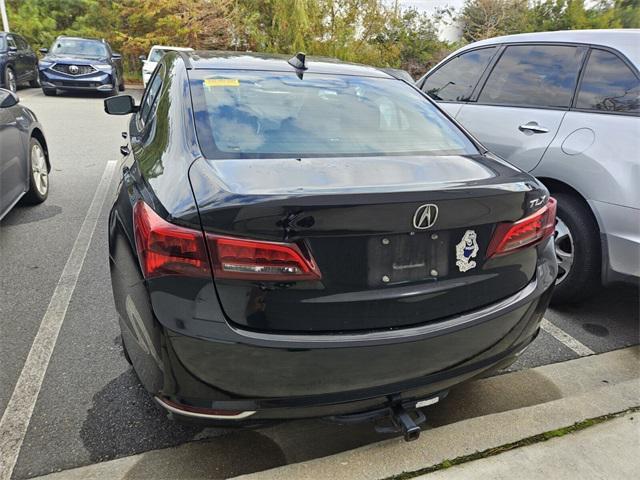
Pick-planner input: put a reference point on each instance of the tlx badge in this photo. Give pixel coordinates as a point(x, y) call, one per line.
point(466, 250)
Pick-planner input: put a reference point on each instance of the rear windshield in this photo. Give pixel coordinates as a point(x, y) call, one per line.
point(251, 114)
point(157, 54)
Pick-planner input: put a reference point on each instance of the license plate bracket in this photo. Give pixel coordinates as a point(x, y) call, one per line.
point(409, 257)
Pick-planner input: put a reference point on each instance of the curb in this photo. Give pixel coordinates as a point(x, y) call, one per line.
point(485, 414)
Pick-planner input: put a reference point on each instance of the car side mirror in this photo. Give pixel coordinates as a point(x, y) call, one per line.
point(143, 58)
point(116, 56)
point(12, 48)
point(43, 50)
point(8, 98)
point(120, 105)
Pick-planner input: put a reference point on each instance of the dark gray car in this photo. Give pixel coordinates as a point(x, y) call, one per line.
point(24, 157)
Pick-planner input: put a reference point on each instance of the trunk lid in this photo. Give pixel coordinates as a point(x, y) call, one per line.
point(362, 220)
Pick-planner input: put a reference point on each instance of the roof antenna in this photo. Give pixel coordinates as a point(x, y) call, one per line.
point(297, 62)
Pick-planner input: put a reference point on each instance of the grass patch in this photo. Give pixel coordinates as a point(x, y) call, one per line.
point(133, 78)
point(542, 437)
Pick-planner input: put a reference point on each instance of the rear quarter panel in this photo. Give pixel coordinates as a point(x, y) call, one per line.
point(156, 172)
point(597, 155)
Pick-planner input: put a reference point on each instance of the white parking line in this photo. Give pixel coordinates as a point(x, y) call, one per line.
point(566, 339)
point(16, 417)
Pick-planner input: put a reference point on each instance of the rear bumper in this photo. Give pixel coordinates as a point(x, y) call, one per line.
point(297, 376)
point(95, 82)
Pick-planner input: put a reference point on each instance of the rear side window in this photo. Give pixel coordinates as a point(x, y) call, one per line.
point(150, 96)
point(22, 45)
point(157, 54)
point(608, 85)
point(255, 114)
point(533, 75)
point(455, 80)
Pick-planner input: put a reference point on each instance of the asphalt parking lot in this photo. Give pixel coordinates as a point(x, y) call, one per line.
point(90, 407)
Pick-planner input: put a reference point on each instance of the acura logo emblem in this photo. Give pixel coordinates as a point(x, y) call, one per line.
point(425, 216)
point(73, 69)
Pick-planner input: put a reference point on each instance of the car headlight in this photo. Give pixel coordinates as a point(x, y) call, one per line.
point(106, 66)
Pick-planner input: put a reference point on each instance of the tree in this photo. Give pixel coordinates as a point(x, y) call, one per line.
point(482, 19)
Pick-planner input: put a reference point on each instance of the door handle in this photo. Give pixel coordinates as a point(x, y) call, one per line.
point(124, 150)
point(533, 127)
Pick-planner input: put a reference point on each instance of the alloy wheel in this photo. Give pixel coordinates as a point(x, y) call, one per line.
point(40, 175)
point(564, 250)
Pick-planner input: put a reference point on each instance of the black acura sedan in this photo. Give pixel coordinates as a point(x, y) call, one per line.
point(81, 64)
point(308, 238)
point(24, 156)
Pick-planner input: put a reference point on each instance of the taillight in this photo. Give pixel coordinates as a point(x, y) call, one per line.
point(167, 249)
point(511, 237)
point(258, 260)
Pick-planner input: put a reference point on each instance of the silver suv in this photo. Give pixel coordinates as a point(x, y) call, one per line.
point(564, 106)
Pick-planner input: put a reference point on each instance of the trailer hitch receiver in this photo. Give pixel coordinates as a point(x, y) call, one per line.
point(403, 421)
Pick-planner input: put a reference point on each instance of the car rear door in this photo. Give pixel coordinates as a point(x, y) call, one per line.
point(453, 83)
point(28, 61)
point(519, 108)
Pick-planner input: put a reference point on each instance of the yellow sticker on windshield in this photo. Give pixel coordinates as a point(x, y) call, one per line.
point(221, 82)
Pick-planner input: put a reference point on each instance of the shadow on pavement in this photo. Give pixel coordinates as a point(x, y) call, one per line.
point(115, 429)
point(22, 214)
point(124, 420)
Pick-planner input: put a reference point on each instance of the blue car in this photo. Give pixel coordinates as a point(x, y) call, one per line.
point(81, 64)
point(18, 62)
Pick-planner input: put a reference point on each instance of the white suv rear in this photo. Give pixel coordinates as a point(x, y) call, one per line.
point(155, 54)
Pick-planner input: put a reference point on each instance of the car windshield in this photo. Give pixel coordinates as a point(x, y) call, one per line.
point(80, 47)
point(242, 114)
point(156, 54)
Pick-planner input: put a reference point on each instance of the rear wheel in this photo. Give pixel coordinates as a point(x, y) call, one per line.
point(35, 83)
point(10, 81)
point(39, 181)
point(125, 352)
point(114, 90)
point(577, 243)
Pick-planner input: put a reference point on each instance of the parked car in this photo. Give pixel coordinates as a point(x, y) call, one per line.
point(565, 107)
point(308, 238)
point(24, 157)
point(81, 64)
point(155, 54)
point(18, 62)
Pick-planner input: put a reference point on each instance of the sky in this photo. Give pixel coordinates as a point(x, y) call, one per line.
point(430, 5)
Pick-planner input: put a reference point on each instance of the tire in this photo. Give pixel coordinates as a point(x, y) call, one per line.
point(121, 86)
point(578, 250)
point(49, 92)
point(10, 81)
point(126, 352)
point(35, 83)
point(114, 91)
point(39, 174)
